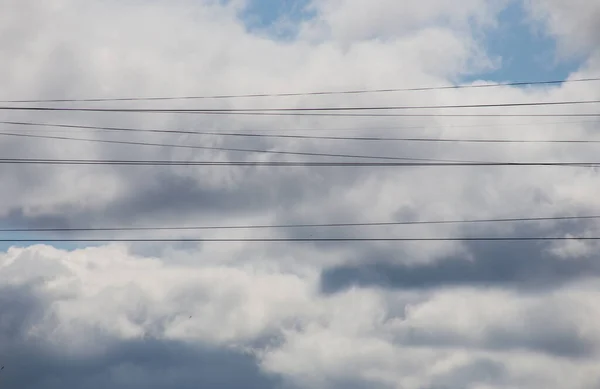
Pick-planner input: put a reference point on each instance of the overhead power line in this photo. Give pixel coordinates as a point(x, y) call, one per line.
point(290, 113)
point(326, 225)
point(300, 240)
point(345, 92)
point(193, 132)
point(382, 115)
point(302, 110)
point(288, 136)
point(32, 161)
point(281, 152)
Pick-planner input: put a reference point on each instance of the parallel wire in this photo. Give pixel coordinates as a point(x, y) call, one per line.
point(294, 111)
point(328, 225)
point(433, 161)
point(190, 132)
point(384, 115)
point(281, 152)
point(289, 113)
point(287, 136)
point(316, 240)
point(319, 111)
point(33, 161)
point(347, 92)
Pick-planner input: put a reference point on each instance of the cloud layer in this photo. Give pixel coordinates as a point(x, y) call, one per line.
point(312, 315)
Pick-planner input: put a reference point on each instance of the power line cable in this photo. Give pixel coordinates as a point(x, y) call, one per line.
point(346, 92)
point(287, 136)
point(33, 161)
point(327, 225)
point(293, 110)
point(281, 152)
point(300, 240)
point(432, 161)
point(438, 126)
point(190, 132)
point(385, 115)
point(288, 113)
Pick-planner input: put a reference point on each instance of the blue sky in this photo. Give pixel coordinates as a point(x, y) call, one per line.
point(4, 246)
point(266, 12)
point(527, 53)
point(263, 14)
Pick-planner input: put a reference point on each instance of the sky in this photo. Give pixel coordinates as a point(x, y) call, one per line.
point(523, 50)
point(518, 44)
point(287, 315)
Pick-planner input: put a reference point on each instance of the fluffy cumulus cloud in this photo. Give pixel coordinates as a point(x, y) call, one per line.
point(326, 315)
point(360, 19)
point(575, 23)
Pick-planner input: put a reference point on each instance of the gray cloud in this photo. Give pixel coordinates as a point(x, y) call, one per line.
point(100, 316)
point(131, 365)
point(145, 363)
point(552, 339)
point(522, 265)
point(526, 265)
point(481, 371)
point(78, 318)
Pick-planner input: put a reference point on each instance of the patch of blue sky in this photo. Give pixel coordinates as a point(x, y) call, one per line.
point(37, 239)
point(277, 18)
point(524, 51)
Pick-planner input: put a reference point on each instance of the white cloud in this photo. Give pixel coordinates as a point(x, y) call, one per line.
point(90, 301)
point(416, 316)
point(575, 24)
point(361, 19)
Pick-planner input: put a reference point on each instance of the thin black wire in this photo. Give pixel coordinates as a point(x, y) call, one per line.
point(33, 161)
point(382, 115)
point(303, 153)
point(347, 92)
point(189, 132)
point(287, 113)
point(273, 226)
point(407, 107)
point(289, 240)
point(443, 126)
point(284, 136)
point(293, 111)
